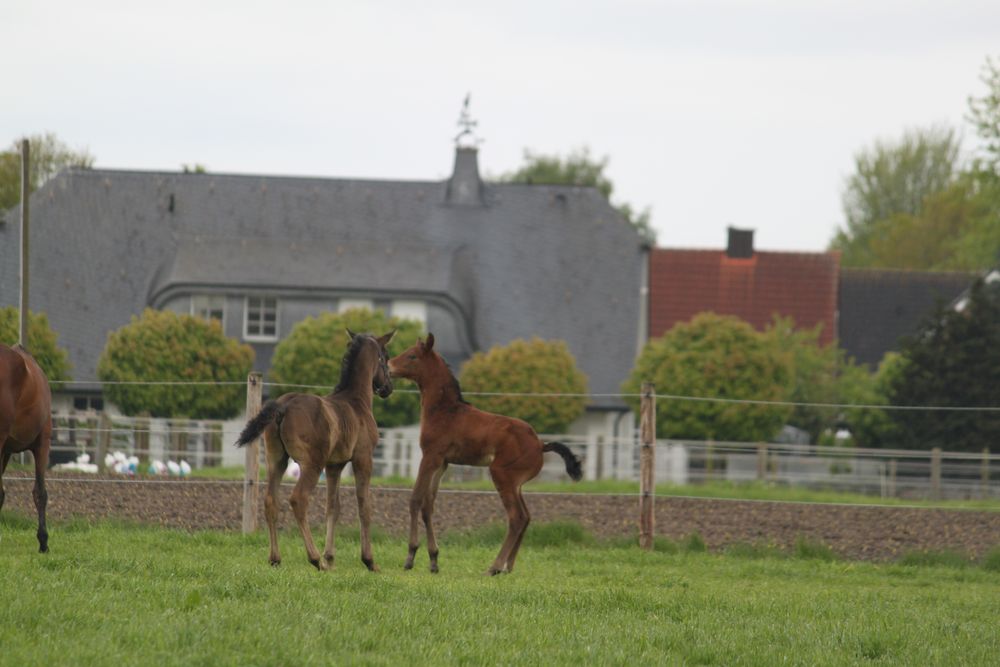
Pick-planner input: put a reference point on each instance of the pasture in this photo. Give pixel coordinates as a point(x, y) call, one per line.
point(113, 593)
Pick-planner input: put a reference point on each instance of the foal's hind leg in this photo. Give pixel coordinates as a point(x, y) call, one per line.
point(308, 476)
point(332, 509)
point(277, 462)
point(516, 519)
point(39, 493)
point(4, 460)
point(517, 542)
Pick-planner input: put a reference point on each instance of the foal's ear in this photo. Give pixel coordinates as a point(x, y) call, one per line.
point(351, 334)
point(384, 340)
point(429, 345)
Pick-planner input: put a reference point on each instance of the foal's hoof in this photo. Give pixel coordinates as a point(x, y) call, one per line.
point(370, 564)
point(408, 565)
point(319, 564)
point(275, 562)
point(44, 549)
point(492, 572)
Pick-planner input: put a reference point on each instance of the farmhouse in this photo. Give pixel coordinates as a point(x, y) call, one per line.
point(479, 263)
point(742, 281)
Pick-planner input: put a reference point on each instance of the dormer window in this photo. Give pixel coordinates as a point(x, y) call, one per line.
point(209, 307)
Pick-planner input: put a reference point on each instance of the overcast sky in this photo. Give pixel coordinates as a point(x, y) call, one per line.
point(713, 113)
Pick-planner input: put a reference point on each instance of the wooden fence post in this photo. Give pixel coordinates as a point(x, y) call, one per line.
point(936, 473)
point(647, 419)
point(103, 440)
point(761, 461)
point(255, 391)
point(984, 473)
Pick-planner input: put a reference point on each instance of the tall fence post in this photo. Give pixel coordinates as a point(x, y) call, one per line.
point(891, 487)
point(255, 391)
point(24, 309)
point(936, 473)
point(647, 419)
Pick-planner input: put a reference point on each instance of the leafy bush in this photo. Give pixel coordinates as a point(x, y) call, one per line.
point(42, 343)
point(165, 346)
point(312, 352)
point(536, 366)
point(715, 356)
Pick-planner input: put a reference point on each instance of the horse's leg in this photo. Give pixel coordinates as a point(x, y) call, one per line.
point(362, 466)
point(428, 513)
point(277, 463)
point(4, 460)
point(425, 474)
point(520, 536)
point(516, 521)
point(41, 496)
point(332, 508)
point(308, 476)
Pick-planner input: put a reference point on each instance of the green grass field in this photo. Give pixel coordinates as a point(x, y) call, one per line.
point(113, 594)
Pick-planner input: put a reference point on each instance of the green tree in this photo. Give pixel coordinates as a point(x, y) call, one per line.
point(528, 366)
point(893, 179)
point(578, 168)
point(984, 113)
point(953, 361)
point(48, 156)
point(165, 346)
point(42, 343)
point(716, 356)
point(311, 355)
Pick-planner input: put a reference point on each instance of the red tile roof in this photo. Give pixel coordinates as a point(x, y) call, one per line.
point(683, 283)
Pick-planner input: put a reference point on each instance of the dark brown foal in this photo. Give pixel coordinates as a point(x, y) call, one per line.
point(26, 423)
point(452, 431)
point(325, 433)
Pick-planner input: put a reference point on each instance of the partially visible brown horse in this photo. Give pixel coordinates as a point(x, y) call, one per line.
point(325, 432)
point(452, 431)
point(26, 422)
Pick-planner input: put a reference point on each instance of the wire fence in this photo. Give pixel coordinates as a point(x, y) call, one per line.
point(886, 473)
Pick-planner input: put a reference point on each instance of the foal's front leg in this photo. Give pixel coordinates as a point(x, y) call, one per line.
point(362, 478)
point(421, 491)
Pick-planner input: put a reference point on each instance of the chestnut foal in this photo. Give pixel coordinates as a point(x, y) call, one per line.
point(452, 431)
point(325, 432)
point(26, 423)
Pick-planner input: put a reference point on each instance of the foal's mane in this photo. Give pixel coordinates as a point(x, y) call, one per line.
point(454, 383)
point(349, 361)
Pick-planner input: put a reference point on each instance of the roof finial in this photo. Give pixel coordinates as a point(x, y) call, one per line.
point(467, 138)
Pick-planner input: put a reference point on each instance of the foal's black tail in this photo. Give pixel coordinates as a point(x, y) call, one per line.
point(256, 426)
point(572, 463)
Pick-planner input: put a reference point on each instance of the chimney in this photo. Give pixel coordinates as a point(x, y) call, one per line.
point(465, 187)
point(740, 243)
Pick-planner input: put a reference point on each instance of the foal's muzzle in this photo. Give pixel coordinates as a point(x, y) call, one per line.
point(384, 390)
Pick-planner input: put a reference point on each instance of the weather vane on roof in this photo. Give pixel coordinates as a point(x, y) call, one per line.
point(467, 138)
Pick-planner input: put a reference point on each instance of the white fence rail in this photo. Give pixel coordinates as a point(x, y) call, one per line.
point(886, 473)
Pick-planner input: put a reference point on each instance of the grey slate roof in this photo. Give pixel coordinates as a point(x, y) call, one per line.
point(516, 260)
point(877, 307)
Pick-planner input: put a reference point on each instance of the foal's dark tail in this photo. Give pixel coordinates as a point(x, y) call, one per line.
point(256, 426)
point(572, 463)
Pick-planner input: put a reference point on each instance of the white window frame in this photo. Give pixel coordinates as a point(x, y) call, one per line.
point(205, 313)
point(347, 304)
point(259, 337)
point(409, 309)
